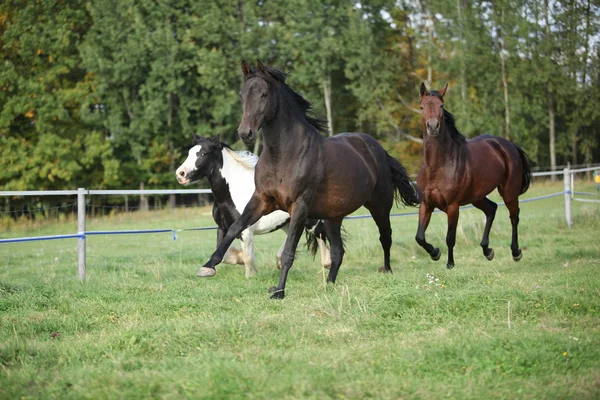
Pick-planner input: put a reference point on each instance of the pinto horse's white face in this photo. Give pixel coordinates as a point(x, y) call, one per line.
point(185, 172)
point(201, 161)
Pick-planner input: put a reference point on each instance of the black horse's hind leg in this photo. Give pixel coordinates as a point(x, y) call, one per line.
point(489, 209)
point(424, 217)
point(333, 231)
point(255, 209)
point(513, 210)
point(381, 215)
point(298, 214)
point(452, 212)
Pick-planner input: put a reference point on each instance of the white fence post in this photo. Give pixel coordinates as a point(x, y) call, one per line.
point(81, 231)
point(567, 189)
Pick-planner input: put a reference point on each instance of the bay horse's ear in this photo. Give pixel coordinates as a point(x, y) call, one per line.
point(443, 91)
point(246, 70)
point(423, 89)
point(260, 66)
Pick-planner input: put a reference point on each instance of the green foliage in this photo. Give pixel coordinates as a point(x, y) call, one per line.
point(100, 94)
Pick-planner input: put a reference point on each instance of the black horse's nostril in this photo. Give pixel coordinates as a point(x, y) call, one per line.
point(250, 134)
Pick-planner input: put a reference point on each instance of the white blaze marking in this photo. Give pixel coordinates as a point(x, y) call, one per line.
point(189, 164)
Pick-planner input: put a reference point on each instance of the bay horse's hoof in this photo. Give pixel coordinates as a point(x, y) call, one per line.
point(278, 294)
point(490, 255)
point(518, 256)
point(449, 266)
point(436, 254)
point(384, 270)
point(206, 272)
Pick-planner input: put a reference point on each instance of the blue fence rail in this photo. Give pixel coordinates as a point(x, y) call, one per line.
point(83, 233)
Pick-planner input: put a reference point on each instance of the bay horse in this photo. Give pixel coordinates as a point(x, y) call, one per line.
point(457, 171)
point(310, 176)
point(230, 175)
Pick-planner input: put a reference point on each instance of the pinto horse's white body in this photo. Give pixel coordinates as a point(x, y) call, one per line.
point(236, 175)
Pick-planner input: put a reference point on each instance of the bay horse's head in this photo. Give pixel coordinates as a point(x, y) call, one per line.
point(432, 109)
point(201, 161)
point(259, 102)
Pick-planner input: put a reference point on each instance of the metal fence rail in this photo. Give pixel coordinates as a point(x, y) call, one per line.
point(82, 233)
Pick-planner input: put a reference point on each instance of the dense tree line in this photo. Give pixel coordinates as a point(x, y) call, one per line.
point(106, 94)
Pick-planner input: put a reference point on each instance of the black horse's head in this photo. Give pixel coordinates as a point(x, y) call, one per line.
point(202, 160)
point(259, 100)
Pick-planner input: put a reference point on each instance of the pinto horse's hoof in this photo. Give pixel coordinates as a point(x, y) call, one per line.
point(489, 255)
point(272, 289)
point(206, 272)
point(384, 270)
point(278, 294)
point(449, 266)
point(435, 254)
point(518, 256)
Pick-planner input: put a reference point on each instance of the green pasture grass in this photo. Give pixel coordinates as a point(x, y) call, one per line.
point(143, 325)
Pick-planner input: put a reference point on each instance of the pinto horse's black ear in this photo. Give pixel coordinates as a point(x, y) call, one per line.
point(423, 89)
point(196, 138)
point(260, 66)
point(246, 70)
point(217, 139)
point(443, 91)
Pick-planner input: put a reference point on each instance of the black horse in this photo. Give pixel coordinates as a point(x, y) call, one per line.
point(309, 176)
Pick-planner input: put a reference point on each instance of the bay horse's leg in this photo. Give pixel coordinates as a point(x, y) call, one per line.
point(489, 209)
point(255, 209)
point(513, 210)
point(452, 212)
point(298, 215)
point(333, 229)
point(424, 217)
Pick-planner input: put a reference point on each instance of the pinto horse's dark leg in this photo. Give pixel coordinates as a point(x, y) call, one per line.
point(424, 217)
point(452, 212)
point(513, 210)
point(489, 209)
point(298, 215)
point(255, 209)
point(333, 230)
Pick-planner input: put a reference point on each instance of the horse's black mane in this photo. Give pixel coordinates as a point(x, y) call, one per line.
point(301, 102)
point(454, 132)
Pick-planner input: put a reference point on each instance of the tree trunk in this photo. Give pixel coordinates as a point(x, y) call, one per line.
point(327, 96)
point(551, 121)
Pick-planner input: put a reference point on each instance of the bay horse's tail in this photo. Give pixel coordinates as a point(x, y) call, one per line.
point(526, 161)
point(405, 192)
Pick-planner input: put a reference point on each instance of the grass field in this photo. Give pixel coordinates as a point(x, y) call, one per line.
point(143, 325)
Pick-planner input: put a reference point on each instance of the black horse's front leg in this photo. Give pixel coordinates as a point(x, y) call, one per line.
point(298, 214)
point(254, 210)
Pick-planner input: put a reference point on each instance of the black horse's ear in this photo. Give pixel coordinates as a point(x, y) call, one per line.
point(260, 66)
point(246, 70)
point(423, 89)
point(443, 91)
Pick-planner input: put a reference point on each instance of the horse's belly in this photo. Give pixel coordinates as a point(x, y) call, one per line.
point(339, 202)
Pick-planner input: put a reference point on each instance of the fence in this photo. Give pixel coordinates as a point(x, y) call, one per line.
point(569, 194)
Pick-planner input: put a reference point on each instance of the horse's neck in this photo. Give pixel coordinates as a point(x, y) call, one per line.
point(237, 178)
point(441, 150)
point(285, 135)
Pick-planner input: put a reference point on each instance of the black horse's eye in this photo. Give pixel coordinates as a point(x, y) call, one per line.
point(264, 94)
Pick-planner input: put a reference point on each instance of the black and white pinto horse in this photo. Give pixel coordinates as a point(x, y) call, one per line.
point(231, 177)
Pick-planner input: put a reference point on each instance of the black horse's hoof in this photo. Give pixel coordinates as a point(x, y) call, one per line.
point(489, 255)
point(278, 294)
point(435, 254)
point(518, 257)
point(449, 266)
point(384, 270)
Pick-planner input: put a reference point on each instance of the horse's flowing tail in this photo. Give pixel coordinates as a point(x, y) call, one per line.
point(406, 192)
point(526, 161)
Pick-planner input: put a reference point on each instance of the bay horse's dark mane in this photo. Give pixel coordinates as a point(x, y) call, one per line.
point(454, 132)
point(304, 105)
